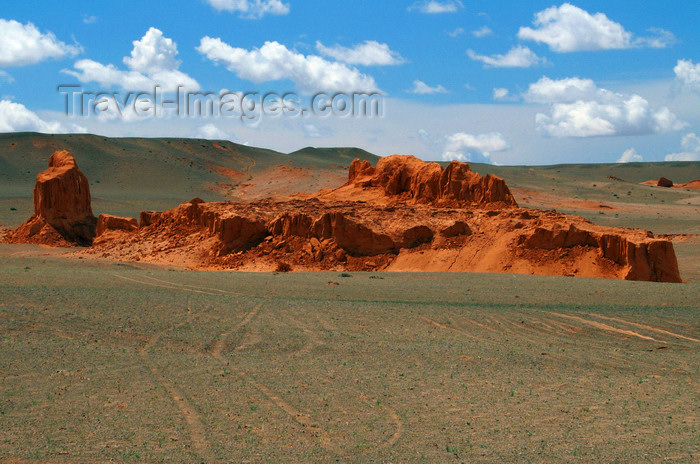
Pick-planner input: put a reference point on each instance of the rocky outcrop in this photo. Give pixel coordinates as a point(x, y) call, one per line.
point(640, 255)
point(456, 229)
point(359, 168)
point(146, 218)
point(316, 235)
point(663, 182)
point(291, 224)
point(410, 179)
point(62, 206)
point(402, 215)
point(352, 236)
point(108, 223)
point(238, 233)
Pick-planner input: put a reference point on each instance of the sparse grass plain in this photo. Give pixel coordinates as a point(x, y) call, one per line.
point(124, 362)
point(117, 362)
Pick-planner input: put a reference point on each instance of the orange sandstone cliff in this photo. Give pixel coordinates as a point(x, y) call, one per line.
point(404, 178)
point(402, 215)
point(62, 206)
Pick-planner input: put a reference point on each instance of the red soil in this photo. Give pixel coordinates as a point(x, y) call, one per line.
point(663, 182)
point(693, 185)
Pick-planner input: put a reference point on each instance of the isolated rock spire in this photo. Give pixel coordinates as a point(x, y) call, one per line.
point(62, 206)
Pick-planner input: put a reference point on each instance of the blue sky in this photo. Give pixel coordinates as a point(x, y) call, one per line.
point(505, 82)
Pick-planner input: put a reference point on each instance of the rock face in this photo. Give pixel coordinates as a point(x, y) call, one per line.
point(663, 182)
point(402, 215)
point(62, 208)
point(640, 255)
point(352, 236)
point(410, 178)
point(108, 223)
point(317, 235)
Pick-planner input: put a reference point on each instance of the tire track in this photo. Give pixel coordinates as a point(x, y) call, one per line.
point(643, 326)
point(300, 418)
point(313, 338)
point(606, 327)
point(459, 330)
point(218, 346)
point(518, 330)
point(170, 286)
point(251, 338)
point(569, 333)
point(398, 425)
point(196, 287)
point(195, 426)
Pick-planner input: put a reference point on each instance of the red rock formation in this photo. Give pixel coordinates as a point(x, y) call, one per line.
point(403, 215)
point(146, 218)
point(459, 183)
point(456, 229)
point(292, 225)
point(641, 256)
point(352, 236)
point(107, 223)
point(415, 236)
point(410, 179)
point(61, 205)
point(314, 235)
point(239, 233)
point(663, 182)
point(359, 168)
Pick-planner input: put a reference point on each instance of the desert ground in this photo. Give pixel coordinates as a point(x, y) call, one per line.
point(107, 360)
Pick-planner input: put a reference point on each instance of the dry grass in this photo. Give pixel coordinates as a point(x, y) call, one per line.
point(105, 362)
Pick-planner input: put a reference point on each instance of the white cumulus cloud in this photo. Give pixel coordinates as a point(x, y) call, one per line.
point(691, 144)
point(23, 44)
point(517, 57)
point(15, 117)
point(661, 39)
point(477, 148)
point(437, 7)
point(273, 61)
point(251, 9)
point(500, 93)
point(570, 89)
point(630, 156)
point(568, 28)
point(688, 73)
point(212, 132)
point(581, 109)
point(153, 61)
point(368, 53)
point(421, 88)
point(483, 31)
point(685, 156)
